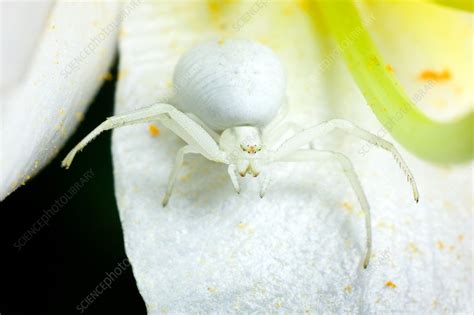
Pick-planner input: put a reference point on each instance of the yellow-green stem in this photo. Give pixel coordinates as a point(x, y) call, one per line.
point(465, 5)
point(440, 142)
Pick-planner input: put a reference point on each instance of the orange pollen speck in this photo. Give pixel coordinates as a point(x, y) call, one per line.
point(389, 68)
point(390, 284)
point(153, 130)
point(427, 75)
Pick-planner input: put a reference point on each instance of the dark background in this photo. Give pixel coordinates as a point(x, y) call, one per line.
point(66, 260)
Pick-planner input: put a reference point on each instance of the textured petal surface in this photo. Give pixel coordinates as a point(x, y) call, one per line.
point(300, 248)
point(74, 52)
point(21, 26)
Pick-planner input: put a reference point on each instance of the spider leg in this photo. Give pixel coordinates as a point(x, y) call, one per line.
point(347, 167)
point(271, 136)
point(211, 132)
point(187, 129)
point(266, 181)
point(307, 135)
point(178, 163)
point(232, 170)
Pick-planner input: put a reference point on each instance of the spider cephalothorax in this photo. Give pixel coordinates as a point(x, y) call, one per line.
point(229, 106)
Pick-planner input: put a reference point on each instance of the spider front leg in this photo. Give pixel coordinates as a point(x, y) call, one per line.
point(265, 182)
point(232, 171)
point(273, 135)
point(346, 164)
point(178, 163)
point(178, 122)
point(144, 115)
point(195, 135)
point(307, 135)
point(211, 132)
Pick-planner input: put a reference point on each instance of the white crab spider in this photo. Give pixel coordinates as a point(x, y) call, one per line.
point(232, 93)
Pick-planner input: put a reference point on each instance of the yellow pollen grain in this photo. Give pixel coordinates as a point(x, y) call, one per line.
point(222, 26)
point(461, 237)
point(242, 226)
point(373, 62)
point(390, 284)
point(221, 41)
point(107, 76)
point(185, 177)
point(79, 116)
point(389, 68)
point(215, 8)
point(347, 205)
point(304, 5)
point(153, 130)
point(122, 74)
point(413, 248)
point(348, 289)
point(212, 289)
point(440, 245)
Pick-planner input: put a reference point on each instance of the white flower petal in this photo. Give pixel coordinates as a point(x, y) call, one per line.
point(299, 249)
point(76, 49)
point(21, 26)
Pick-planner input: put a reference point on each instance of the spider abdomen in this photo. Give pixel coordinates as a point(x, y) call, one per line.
point(229, 84)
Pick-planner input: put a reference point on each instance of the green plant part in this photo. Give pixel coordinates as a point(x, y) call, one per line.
point(439, 142)
point(465, 5)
